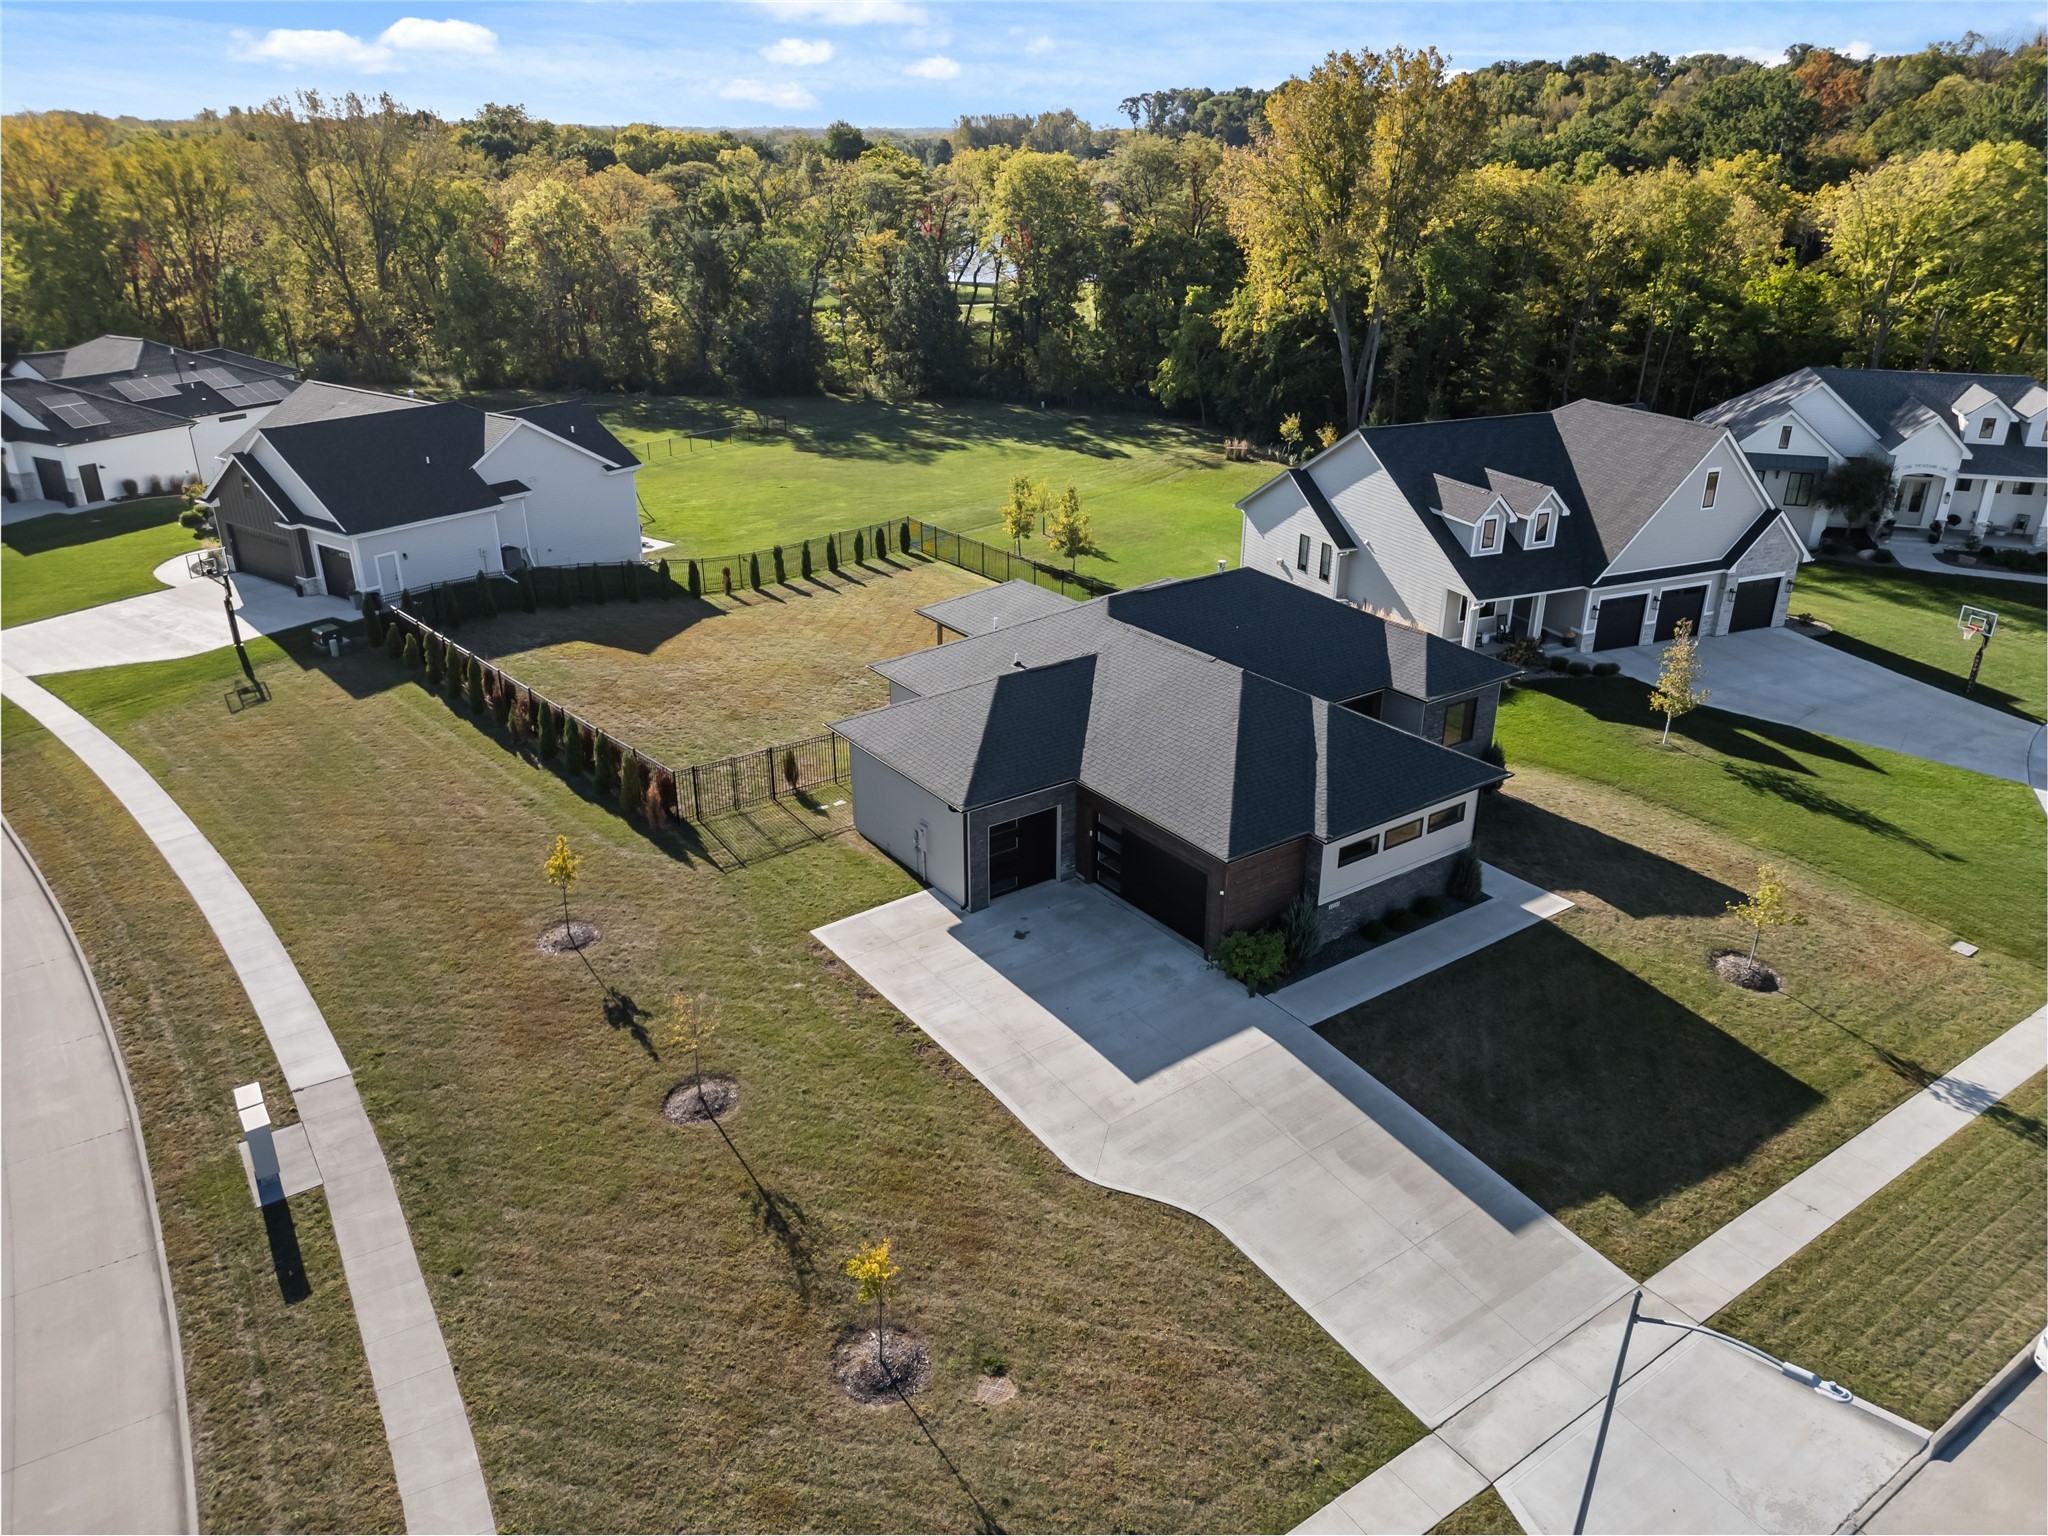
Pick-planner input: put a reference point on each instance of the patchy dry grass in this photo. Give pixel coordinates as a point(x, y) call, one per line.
point(643, 1315)
point(1484, 1514)
point(687, 680)
point(1600, 1064)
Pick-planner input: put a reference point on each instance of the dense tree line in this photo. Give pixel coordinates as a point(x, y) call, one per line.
point(1376, 240)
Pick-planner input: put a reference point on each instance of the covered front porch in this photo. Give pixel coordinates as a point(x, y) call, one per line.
point(1943, 506)
point(1538, 615)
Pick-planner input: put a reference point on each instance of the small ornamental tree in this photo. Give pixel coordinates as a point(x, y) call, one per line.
point(1023, 512)
point(804, 560)
point(882, 543)
point(1290, 432)
point(502, 701)
point(414, 656)
point(832, 554)
point(434, 648)
point(903, 537)
point(1678, 691)
point(860, 549)
point(789, 769)
point(486, 599)
point(607, 777)
point(1859, 489)
point(1326, 434)
point(781, 575)
point(696, 580)
point(1067, 529)
point(874, 1277)
point(477, 702)
point(373, 620)
point(550, 740)
point(561, 869)
point(633, 784)
point(394, 642)
point(580, 746)
point(725, 572)
point(1766, 907)
point(754, 572)
point(660, 787)
point(693, 1020)
point(668, 584)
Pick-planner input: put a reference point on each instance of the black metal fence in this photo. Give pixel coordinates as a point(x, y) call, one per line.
point(749, 778)
point(826, 554)
point(445, 605)
point(998, 564)
point(660, 443)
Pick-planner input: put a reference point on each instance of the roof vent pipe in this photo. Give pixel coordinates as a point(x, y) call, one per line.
point(995, 622)
point(1016, 658)
point(1222, 565)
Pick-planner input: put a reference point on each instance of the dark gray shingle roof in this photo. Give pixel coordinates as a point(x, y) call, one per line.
point(575, 422)
point(389, 468)
point(1011, 603)
point(1893, 402)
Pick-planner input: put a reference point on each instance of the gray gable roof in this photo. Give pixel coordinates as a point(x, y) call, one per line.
point(1319, 504)
point(1013, 602)
point(118, 417)
point(1893, 402)
point(575, 422)
point(1226, 759)
point(1611, 465)
point(385, 469)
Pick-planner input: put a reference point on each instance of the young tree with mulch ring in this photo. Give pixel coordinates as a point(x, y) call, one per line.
point(693, 1023)
point(874, 1277)
point(1678, 691)
point(1768, 906)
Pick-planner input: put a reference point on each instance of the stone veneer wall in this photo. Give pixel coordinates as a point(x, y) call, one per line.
point(1362, 906)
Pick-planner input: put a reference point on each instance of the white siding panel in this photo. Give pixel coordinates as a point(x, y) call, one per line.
point(212, 436)
point(1274, 524)
point(1804, 439)
point(1341, 880)
point(577, 512)
point(1404, 573)
point(166, 455)
point(454, 550)
point(1681, 531)
point(1834, 421)
point(888, 810)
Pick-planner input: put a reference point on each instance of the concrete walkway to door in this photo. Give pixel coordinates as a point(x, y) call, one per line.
point(1144, 1070)
point(1777, 674)
point(185, 620)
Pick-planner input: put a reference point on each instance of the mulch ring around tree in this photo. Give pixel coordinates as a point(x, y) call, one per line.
point(686, 1105)
point(903, 1366)
point(1744, 972)
point(567, 938)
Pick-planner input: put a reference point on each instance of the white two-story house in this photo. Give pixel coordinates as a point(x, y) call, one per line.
point(1596, 526)
point(346, 491)
point(1967, 451)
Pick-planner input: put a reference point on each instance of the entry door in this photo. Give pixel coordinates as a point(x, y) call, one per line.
point(89, 481)
point(1756, 604)
point(387, 577)
point(1621, 622)
point(1684, 603)
point(1023, 852)
point(50, 474)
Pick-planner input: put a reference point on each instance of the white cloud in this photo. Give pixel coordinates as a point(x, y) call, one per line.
point(795, 50)
point(769, 93)
point(1858, 51)
point(1770, 58)
point(1040, 44)
point(937, 67)
point(317, 48)
point(846, 13)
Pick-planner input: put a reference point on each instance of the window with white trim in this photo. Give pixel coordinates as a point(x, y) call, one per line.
point(1713, 488)
point(1539, 530)
point(1986, 427)
point(1799, 489)
point(1785, 437)
point(1489, 531)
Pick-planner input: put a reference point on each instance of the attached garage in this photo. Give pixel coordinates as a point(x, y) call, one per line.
point(50, 476)
point(1159, 884)
point(1756, 604)
point(337, 571)
point(261, 554)
point(1680, 605)
point(1621, 622)
point(1023, 851)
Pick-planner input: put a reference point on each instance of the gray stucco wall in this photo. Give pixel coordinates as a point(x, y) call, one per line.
point(1341, 916)
point(979, 821)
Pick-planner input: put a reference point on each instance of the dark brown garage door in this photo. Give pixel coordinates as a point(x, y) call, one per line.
point(338, 571)
point(262, 554)
point(1682, 604)
point(1621, 622)
point(1756, 604)
point(1163, 887)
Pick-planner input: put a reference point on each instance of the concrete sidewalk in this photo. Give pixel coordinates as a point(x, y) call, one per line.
point(433, 1454)
point(1709, 1276)
point(1988, 1478)
point(188, 619)
point(1776, 674)
point(95, 1425)
point(1512, 906)
point(1912, 550)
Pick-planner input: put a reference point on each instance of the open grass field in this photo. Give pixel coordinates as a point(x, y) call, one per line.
point(285, 1426)
point(67, 561)
point(1599, 1063)
point(1919, 1296)
point(1906, 620)
point(1959, 850)
point(642, 1315)
point(1160, 494)
point(688, 680)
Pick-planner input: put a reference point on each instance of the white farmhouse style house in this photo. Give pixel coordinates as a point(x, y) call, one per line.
point(118, 416)
point(346, 491)
point(1967, 451)
point(1593, 525)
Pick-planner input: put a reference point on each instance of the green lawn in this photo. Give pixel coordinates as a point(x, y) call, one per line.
point(1962, 851)
point(1484, 1514)
point(1160, 494)
point(1906, 620)
point(1917, 1297)
point(642, 1321)
point(1599, 1063)
point(67, 561)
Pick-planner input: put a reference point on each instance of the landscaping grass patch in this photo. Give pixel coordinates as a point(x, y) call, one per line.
point(1600, 1065)
point(1160, 494)
point(1484, 1514)
point(688, 680)
point(285, 1429)
point(1956, 848)
point(72, 560)
point(1906, 620)
point(642, 1322)
point(1920, 1295)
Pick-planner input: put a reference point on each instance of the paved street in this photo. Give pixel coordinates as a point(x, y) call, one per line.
point(1775, 674)
point(94, 1420)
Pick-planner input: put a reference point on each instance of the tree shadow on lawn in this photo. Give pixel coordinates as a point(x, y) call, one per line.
point(65, 530)
point(1570, 1076)
point(1625, 701)
point(1811, 797)
point(921, 435)
point(1560, 854)
point(1934, 677)
point(616, 625)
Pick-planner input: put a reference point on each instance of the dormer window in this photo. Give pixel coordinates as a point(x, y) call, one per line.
point(1986, 427)
point(1489, 532)
point(1539, 531)
point(1785, 437)
point(1713, 487)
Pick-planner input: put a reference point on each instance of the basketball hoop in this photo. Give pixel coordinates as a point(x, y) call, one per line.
point(1978, 624)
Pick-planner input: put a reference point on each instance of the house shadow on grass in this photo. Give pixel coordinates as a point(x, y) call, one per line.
point(616, 625)
point(1570, 1076)
point(1559, 854)
point(1921, 672)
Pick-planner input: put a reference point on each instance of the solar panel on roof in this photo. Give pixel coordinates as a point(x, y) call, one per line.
point(75, 411)
point(144, 389)
point(219, 378)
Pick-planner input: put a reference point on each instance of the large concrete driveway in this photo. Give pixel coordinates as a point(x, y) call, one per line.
point(1146, 1071)
point(1777, 674)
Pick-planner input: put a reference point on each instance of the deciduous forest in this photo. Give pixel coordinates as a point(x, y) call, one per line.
point(1378, 239)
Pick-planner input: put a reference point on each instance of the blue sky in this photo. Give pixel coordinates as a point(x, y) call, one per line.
point(904, 63)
